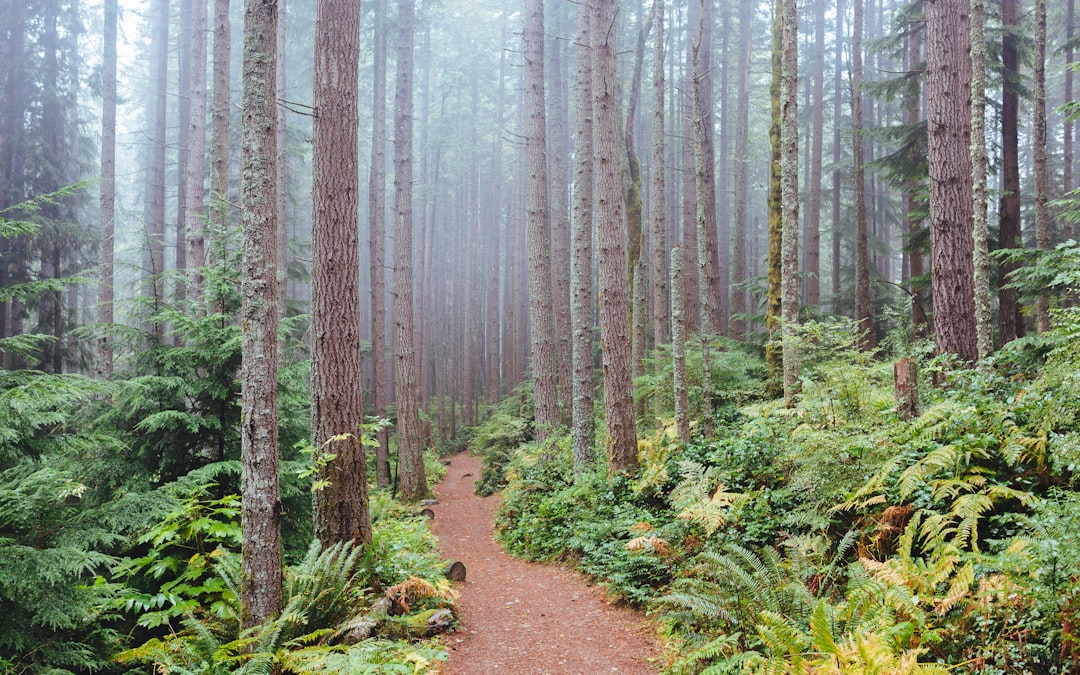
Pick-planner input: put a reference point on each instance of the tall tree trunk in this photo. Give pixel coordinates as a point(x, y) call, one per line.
point(1042, 209)
point(377, 243)
point(813, 207)
point(337, 410)
point(739, 306)
point(948, 90)
point(538, 226)
point(789, 189)
point(281, 191)
point(707, 298)
point(912, 114)
point(636, 239)
point(691, 270)
point(155, 220)
point(412, 483)
point(657, 199)
point(196, 165)
point(558, 151)
point(678, 346)
point(106, 218)
point(1012, 322)
point(864, 307)
point(495, 201)
point(582, 224)
point(260, 592)
point(614, 312)
point(183, 150)
point(219, 131)
point(1067, 134)
point(709, 264)
point(836, 174)
point(984, 340)
point(773, 358)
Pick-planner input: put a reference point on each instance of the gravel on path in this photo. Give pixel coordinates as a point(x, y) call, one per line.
point(526, 618)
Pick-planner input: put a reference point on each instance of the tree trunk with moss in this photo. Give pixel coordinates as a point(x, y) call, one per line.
point(1038, 139)
point(260, 518)
point(1009, 315)
point(773, 352)
point(658, 196)
point(983, 329)
point(789, 189)
point(678, 346)
point(377, 243)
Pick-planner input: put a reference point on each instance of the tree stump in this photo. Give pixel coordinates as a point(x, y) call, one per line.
point(906, 383)
point(455, 571)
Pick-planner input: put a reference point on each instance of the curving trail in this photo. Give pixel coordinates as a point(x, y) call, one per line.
point(524, 618)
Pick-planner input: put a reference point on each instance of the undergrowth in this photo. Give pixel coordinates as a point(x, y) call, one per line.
point(832, 536)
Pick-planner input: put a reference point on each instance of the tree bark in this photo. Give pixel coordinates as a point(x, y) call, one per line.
point(558, 151)
point(155, 220)
point(337, 411)
point(584, 427)
point(614, 310)
point(948, 97)
point(412, 483)
point(260, 592)
point(708, 247)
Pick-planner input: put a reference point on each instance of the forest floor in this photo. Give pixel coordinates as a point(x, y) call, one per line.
point(525, 618)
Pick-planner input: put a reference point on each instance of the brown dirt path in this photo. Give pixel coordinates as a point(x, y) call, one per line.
point(525, 618)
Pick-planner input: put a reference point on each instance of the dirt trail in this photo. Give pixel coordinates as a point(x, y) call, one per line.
point(524, 618)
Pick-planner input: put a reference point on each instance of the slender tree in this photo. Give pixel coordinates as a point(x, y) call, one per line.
point(864, 307)
point(196, 163)
point(337, 411)
point(582, 253)
point(742, 169)
point(773, 357)
point(657, 199)
point(155, 217)
point(1012, 322)
point(912, 114)
point(614, 311)
point(789, 189)
point(412, 484)
point(838, 65)
point(106, 217)
point(260, 591)
point(817, 136)
point(219, 127)
point(538, 227)
point(708, 248)
point(678, 347)
point(981, 263)
point(948, 102)
point(1038, 139)
point(707, 297)
point(377, 242)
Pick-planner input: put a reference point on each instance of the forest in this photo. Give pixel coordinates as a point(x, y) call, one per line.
point(762, 315)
